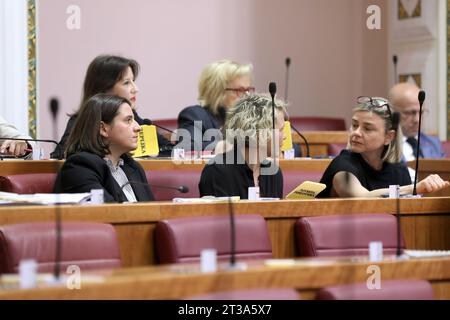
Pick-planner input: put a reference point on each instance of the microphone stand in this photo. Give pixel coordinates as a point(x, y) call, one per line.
point(304, 139)
point(288, 63)
point(395, 60)
point(54, 107)
point(421, 98)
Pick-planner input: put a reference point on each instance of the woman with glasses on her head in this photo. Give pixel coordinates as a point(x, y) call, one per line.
point(372, 160)
point(221, 85)
point(113, 75)
point(98, 152)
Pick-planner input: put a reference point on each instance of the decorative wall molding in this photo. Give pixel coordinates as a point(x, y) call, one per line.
point(32, 70)
point(413, 20)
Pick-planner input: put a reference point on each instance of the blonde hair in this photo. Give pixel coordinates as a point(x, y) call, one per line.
point(214, 80)
point(251, 117)
point(392, 153)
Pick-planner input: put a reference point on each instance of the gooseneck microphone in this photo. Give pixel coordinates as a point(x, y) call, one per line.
point(304, 139)
point(149, 122)
point(286, 88)
point(395, 124)
point(54, 108)
point(30, 140)
point(181, 188)
point(421, 98)
point(395, 60)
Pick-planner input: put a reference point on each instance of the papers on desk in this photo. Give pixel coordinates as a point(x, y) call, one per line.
point(7, 198)
point(427, 253)
point(207, 199)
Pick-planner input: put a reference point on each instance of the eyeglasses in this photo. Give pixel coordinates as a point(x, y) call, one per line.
point(241, 91)
point(414, 113)
point(375, 103)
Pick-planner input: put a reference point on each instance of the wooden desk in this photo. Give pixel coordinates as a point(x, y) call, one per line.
point(425, 222)
point(183, 281)
point(434, 166)
point(319, 140)
point(12, 167)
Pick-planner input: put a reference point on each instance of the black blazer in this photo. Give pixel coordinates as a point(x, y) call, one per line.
point(190, 114)
point(85, 171)
point(165, 146)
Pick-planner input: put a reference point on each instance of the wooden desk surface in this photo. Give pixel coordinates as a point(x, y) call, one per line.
point(12, 167)
point(307, 275)
point(425, 222)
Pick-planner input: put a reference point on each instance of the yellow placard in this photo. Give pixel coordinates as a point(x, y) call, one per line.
point(307, 190)
point(147, 142)
point(287, 143)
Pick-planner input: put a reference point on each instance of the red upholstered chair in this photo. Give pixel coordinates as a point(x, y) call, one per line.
point(87, 245)
point(446, 148)
point(335, 148)
point(182, 240)
point(251, 294)
point(390, 290)
point(343, 235)
point(318, 124)
point(175, 178)
point(28, 183)
point(293, 178)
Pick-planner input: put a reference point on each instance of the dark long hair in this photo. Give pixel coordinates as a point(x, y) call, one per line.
point(85, 135)
point(103, 73)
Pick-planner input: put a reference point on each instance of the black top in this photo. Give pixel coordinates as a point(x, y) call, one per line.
point(221, 180)
point(369, 178)
point(208, 120)
point(165, 146)
point(85, 171)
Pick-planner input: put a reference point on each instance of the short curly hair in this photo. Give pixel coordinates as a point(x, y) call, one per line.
point(251, 118)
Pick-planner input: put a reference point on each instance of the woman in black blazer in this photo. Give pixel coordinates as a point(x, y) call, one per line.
point(114, 75)
point(97, 152)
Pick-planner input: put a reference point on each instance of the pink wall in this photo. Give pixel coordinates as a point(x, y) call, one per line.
point(334, 57)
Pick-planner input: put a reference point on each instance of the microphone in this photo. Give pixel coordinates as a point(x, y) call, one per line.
point(180, 188)
point(54, 108)
point(232, 235)
point(421, 98)
point(273, 91)
point(29, 140)
point(288, 63)
point(395, 120)
point(149, 122)
point(395, 60)
point(304, 139)
point(395, 123)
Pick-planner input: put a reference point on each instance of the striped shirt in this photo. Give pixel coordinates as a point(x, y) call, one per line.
point(121, 179)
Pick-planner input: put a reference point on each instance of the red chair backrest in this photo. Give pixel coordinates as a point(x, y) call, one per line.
point(335, 148)
point(293, 178)
point(389, 290)
point(87, 245)
point(28, 183)
point(183, 239)
point(318, 124)
point(345, 235)
point(174, 178)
